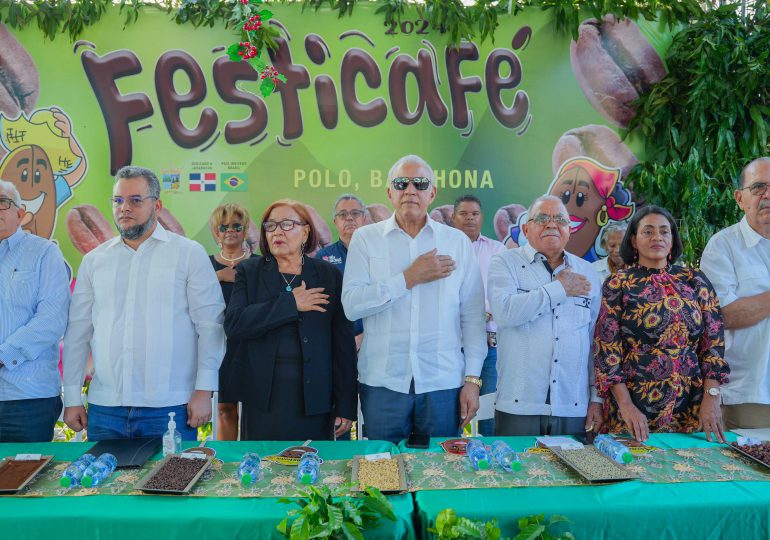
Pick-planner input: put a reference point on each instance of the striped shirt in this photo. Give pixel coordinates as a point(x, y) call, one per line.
point(152, 320)
point(34, 299)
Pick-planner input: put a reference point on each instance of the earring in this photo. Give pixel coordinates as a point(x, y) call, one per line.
point(219, 244)
point(636, 255)
point(669, 257)
point(302, 254)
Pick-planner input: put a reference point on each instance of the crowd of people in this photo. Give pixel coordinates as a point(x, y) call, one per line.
point(414, 318)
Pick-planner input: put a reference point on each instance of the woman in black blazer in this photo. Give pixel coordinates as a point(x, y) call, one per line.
point(295, 367)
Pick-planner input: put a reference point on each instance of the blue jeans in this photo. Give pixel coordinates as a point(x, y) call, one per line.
point(488, 386)
point(29, 420)
point(136, 422)
point(393, 416)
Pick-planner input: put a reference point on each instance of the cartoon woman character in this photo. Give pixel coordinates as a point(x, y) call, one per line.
point(44, 162)
point(593, 196)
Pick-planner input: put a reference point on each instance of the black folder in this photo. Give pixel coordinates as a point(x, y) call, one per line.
point(131, 453)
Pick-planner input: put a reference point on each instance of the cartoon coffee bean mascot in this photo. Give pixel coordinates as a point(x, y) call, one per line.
point(44, 161)
point(593, 195)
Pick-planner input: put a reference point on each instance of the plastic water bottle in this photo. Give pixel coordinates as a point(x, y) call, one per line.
point(505, 457)
point(99, 470)
point(613, 449)
point(172, 439)
point(72, 474)
point(249, 469)
point(308, 468)
point(477, 454)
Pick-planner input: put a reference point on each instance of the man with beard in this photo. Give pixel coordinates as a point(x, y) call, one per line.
point(34, 295)
point(417, 286)
point(148, 307)
point(737, 261)
point(545, 302)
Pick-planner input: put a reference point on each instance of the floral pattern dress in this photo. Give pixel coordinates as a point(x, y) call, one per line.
point(660, 332)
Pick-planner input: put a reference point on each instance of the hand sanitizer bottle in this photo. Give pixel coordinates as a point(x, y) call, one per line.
point(172, 439)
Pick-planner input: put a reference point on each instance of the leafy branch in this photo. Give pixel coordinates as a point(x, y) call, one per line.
point(450, 526)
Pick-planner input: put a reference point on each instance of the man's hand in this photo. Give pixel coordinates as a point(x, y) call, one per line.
point(594, 417)
point(310, 299)
point(711, 418)
point(574, 284)
point(469, 403)
point(199, 408)
point(359, 340)
point(428, 267)
point(76, 418)
point(226, 274)
point(341, 425)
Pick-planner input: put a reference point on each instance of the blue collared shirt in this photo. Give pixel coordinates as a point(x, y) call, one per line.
point(337, 254)
point(34, 302)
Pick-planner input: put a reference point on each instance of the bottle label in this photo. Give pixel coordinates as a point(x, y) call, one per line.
point(28, 457)
point(192, 455)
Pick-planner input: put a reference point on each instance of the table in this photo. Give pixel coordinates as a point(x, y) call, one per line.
point(150, 517)
point(626, 510)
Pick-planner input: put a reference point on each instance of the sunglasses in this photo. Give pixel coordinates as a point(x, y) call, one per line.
point(237, 227)
point(402, 182)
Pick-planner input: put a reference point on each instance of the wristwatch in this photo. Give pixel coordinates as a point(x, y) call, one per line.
point(474, 380)
point(714, 391)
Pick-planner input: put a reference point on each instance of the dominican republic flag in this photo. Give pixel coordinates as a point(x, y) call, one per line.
point(209, 181)
point(196, 182)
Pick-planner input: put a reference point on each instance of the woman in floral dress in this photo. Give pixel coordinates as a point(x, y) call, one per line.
point(659, 343)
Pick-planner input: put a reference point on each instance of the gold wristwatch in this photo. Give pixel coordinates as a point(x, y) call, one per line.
point(474, 380)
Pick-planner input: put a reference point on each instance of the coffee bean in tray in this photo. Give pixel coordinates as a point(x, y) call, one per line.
point(592, 464)
point(758, 451)
point(175, 474)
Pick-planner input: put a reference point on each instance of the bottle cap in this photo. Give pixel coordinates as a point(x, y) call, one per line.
point(65, 481)
point(627, 457)
point(307, 478)
point(516, 465)
point(245, 480)
point(87, 481)
point(482, 464)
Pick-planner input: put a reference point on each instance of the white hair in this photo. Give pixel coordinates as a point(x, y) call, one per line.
point(9, 189)
point(347, 197)
point(542, 199)
point(408, 160)
point(612, 227)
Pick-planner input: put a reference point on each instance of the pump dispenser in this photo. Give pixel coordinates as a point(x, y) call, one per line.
point(172, 439)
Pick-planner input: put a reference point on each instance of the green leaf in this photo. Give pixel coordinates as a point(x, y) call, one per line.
point(530, 532)
point(265, 15)
point(351, 532)
point(266, 87)
point(257, 63)
point(299, 529)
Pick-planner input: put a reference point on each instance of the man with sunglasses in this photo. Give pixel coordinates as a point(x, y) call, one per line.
point(148, 308)
point(416, 284)
point(34, 295)
point(737, 261)
point(545, 302)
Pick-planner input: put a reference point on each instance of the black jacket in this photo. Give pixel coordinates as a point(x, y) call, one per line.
point(330, 374)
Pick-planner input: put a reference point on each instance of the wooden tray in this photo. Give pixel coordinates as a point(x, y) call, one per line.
point(622, 473)
point(752, 458)
point(47, 460)
point(185, 490)
point(402, 485)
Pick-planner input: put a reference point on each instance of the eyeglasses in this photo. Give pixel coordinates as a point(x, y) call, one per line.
point(134, 201)
point(757, 188)
point(353, 214)
point(286, 225)
point(543, 219)
point(5, 203)
point(237, 227)
point(402, 182)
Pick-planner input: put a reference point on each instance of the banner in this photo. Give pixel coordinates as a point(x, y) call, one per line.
point(506, 120)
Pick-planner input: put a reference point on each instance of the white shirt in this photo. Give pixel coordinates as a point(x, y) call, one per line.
point(151, 318)
point(484, 248)
point(433, 333)
point(737, 262)
point(602, 268)
point(544, 337)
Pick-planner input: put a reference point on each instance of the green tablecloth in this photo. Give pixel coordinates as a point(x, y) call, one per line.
point(627, 510)
point(168, 517)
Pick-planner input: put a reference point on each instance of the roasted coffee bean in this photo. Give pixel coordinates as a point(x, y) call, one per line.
point(505, 217)
point(378, 212)
point(597, 142)
point(758, 451)
point(443, 214)
point(175, 474)
point(87, 228)
point(19, 79)
point(169, 222)
point(614, 64)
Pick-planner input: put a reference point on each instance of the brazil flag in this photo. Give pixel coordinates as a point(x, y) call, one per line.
point(233, 182)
